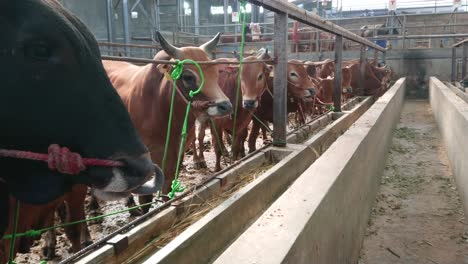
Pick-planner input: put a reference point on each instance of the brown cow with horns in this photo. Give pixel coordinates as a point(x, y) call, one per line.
point(147, 95)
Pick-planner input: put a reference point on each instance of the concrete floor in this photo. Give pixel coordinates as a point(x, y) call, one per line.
point(417, 217)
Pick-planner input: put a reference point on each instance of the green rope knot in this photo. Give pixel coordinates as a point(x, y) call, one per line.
point(177, 71)
point(176, 187)
point(331, 108)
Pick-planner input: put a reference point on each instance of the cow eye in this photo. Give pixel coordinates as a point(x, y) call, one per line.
point(188, 78)
point(38, 51)
point(260, 77)
point(293, 74)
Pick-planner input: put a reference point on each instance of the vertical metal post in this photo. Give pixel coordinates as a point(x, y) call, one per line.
point(362, 68)
point(126, 23)
point(110, 37)
point(454, 64)
point(280, 114)
point(226, 18)
point(196, 16)
point(157, 15)
point(404, 32)
point(376, 57)
point(464, 55)
point(337, 82)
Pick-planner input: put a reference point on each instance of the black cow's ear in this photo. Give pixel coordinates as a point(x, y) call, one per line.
point(4, 209)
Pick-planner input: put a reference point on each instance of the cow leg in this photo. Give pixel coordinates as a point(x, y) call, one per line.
point(50, 242)
point(200, 162)
point(253, 136)
point(142, 199)
point(217, 142)
point(49, 245)
point(75, 206)
point(242, 137)
point(95, 210)
point(201, 145)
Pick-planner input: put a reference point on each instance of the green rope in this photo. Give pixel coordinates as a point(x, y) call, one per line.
point(261, 123)
point(242, 18)
point(169, 124)
point(217, 136)
point(14, 235)
point(176, 186)
point(35, 233)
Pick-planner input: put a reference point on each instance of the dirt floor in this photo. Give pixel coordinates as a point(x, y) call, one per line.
point(418, 216)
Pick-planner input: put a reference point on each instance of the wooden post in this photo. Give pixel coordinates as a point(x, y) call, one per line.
point(465, 54)
point(454, 64)
point(280, 114)
point(337, 82)
point(362, 68)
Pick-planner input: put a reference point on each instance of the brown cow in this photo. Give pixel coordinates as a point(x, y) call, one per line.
point(253, 84)
point(300, 87)
point(373, 85)
point(77, 234)
point(147, 96)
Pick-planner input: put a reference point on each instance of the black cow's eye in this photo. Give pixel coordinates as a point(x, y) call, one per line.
point(260, 77)
point(38, 51)
point(293, 74)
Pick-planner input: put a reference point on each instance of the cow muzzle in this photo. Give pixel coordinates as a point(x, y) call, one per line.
point(139, 176)
point(221, 108)
point(312, 92)
point(250, 104)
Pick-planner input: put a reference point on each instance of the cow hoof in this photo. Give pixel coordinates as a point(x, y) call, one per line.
point(137, 212)
point(95, 213)
point(200, 165)
point(48, 253)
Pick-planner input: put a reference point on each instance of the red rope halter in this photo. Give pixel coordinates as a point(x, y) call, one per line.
point(61, 159)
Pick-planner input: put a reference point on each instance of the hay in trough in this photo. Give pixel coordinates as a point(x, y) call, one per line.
point(195, 211)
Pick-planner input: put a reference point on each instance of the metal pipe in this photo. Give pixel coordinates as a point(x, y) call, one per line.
point(464, 56)
point(337, 81)
point(109, 12)
point(196, 17)
point(226, 20)
point(126, 23)
point(280, 114)
point(454, 64)
point(310, 19)
point(362, 67)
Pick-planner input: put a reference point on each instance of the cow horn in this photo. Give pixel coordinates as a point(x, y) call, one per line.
point(236, 55)
point(171, 50)
point(209, 46)
point(262, 53)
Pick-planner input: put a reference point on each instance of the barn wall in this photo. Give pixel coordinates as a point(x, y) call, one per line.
point(323, 216)
point(451, 114)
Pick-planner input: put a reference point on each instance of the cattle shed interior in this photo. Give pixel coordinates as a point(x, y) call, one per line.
point(346, 141)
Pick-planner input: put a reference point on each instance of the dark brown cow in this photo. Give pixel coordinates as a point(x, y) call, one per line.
point(77, 234)
point(300, 87)
point(253, 83)
point(147, 95)
point(372, 85)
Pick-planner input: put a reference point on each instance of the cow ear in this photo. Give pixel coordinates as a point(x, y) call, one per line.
point(165, 68)
point(269, 68)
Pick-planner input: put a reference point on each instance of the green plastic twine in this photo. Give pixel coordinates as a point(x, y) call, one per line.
point(176, 186)
point(36, 233)
point(11, 258)
point(331, 108)
point(242, 19)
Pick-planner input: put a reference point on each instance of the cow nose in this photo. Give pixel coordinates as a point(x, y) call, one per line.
point(139, 169)
point(224, 108)
point(349, 90)
point(249, 104)
point(312, 92)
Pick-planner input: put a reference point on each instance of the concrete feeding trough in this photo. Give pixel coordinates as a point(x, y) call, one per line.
point(218, 227)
